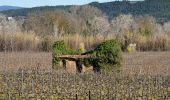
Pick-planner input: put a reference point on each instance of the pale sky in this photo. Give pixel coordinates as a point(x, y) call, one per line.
point(34, 3)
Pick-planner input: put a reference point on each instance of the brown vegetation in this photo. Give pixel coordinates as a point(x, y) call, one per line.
point(82, 24)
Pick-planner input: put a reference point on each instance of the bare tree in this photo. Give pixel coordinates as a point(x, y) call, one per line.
point(166, 28)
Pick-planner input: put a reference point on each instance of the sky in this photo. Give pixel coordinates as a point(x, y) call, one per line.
point(35, 3)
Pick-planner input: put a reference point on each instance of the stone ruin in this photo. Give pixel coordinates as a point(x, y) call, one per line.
point(73, 64)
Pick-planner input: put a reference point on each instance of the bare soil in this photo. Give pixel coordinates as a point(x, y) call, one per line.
point(133, 63)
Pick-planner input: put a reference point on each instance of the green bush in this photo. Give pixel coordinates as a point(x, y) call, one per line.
point(107, 55)
point(60, 48)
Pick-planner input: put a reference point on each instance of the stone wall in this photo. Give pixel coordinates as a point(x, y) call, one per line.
point(71, 66)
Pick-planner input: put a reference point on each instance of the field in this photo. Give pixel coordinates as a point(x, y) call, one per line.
point(150, 63)
point(25, 60)
point(153, 63)
point(28, 75)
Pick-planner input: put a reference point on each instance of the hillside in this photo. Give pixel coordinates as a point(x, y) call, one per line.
point(2, 8)
point(26, 11)
point(157, 8)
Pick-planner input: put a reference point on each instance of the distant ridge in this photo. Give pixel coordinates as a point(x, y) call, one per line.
point(5, 7)
point(160, 9)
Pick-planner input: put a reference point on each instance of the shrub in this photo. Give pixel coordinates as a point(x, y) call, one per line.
point(107, 55)
point(60, 48)
point(46, 43)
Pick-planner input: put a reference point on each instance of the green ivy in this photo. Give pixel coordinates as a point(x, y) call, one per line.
point(107, 55)
point(60, 48)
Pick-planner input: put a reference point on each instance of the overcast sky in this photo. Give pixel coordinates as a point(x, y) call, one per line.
point(34, 3)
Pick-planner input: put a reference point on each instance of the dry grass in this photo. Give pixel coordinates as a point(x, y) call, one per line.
point(89, 42)
point(158, 42)
point(31, 42)
point(19, 42)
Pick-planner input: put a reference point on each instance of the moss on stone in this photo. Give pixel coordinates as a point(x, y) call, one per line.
point(60, 48)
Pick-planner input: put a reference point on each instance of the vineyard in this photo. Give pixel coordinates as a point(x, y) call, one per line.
point(62, 86)
point(29, 76)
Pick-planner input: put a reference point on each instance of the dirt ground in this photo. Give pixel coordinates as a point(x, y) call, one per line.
point(133, 63)
point(147, 63)
point(25, 60)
